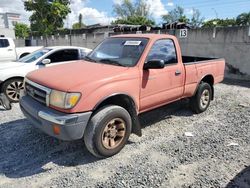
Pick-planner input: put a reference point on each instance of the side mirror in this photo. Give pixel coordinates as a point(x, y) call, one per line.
point(46, 61)
point(154, 64)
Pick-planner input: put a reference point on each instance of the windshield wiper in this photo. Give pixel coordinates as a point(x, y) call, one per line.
point(89, 59)
point(111, 62)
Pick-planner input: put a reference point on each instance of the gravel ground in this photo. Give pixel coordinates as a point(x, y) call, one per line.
point(217, 155)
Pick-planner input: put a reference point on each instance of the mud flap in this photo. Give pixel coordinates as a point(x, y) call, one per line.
point(136, 129)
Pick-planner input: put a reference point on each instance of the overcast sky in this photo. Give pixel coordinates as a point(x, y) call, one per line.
point(101, 11)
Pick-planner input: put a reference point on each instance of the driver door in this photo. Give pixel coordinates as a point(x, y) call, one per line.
point(161, 86)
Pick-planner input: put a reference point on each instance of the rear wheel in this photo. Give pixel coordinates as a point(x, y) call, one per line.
point(11, 88)
point(200, 102)
point(108, 131)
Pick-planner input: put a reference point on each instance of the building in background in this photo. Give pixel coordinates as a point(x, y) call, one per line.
point(8, 20)
point(7, 24)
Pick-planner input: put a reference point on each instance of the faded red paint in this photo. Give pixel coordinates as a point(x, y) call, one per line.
point(148, 88)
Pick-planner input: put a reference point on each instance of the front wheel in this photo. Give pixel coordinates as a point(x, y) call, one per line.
point(108, 131)
point(11, 88)
point(200, 102)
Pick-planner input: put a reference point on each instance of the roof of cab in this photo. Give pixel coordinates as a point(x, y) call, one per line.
point(149, 36)
point(68, 47)
point(62, 47)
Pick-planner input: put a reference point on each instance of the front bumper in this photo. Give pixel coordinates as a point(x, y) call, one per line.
point(71, 126)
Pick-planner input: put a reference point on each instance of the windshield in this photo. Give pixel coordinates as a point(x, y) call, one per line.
point(34, 56)
point(119, 51)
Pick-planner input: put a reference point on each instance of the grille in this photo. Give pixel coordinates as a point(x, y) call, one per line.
point(36, 93)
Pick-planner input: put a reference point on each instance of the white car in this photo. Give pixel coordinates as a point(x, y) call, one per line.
point(8, 51)
point(13, 73)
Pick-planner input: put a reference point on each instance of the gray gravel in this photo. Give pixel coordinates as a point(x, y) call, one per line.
point(162, 157)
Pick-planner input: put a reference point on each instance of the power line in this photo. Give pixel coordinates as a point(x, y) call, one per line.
point(211, 3)
point(224, 4)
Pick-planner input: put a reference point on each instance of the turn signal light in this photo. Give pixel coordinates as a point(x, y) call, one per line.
point(56, 129)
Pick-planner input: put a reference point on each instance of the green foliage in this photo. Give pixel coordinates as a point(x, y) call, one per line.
point(133, 12)
point(22, 30)
point(196, 20)
point(135, 20)
point(175, 15)
point(243, 19)
point(80, 24)
point(219, 22)
point(47, 16)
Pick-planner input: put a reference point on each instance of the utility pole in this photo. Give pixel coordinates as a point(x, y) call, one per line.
point(216, 13)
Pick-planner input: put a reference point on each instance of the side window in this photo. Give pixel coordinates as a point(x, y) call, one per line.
point(4, 43)
point(164, 50)
point(64, 55)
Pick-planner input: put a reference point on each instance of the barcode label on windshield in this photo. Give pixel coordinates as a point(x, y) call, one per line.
point(132, 43)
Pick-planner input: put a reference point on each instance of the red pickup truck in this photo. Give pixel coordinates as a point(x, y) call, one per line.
point(99, 99)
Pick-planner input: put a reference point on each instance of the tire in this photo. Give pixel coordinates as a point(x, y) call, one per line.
point(201, 100)
point(108, 131)
point(11, 88)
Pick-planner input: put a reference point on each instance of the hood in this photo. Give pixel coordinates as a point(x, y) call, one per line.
point(67, 76)
point(11, 65)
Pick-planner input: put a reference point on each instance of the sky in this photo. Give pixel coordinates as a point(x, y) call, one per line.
point(101, 11)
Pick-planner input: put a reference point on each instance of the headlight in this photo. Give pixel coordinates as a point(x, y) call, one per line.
point(63, 100)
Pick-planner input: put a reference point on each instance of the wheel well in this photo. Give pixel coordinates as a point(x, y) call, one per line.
point(210, 80)
point(24, 54)
point(17, 77)
point(127, 103)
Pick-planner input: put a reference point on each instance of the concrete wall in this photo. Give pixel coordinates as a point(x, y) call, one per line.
point(90, 40)
point(232, 43)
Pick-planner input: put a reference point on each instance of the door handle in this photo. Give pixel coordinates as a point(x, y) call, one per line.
point(177, 73)
point(10, 49)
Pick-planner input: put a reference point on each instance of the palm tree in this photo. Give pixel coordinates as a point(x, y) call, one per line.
point(243, 19)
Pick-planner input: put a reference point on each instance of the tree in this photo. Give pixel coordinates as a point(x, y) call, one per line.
point(243, 19)
point(22, 30)
point(80, 20)
point(135, 20)
point(219, 23)
point(133, 13)
point(79, 24)
point(47, 16)
point(175, 15)
point(196, 20)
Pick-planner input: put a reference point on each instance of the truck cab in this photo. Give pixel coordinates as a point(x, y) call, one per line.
point(7, 49)
point(9, 52)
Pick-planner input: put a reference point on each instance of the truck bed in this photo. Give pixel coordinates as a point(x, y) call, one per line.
point(198, 67)
point(194, 59)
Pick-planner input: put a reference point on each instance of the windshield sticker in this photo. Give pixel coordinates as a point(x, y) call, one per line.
point(132, 43)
